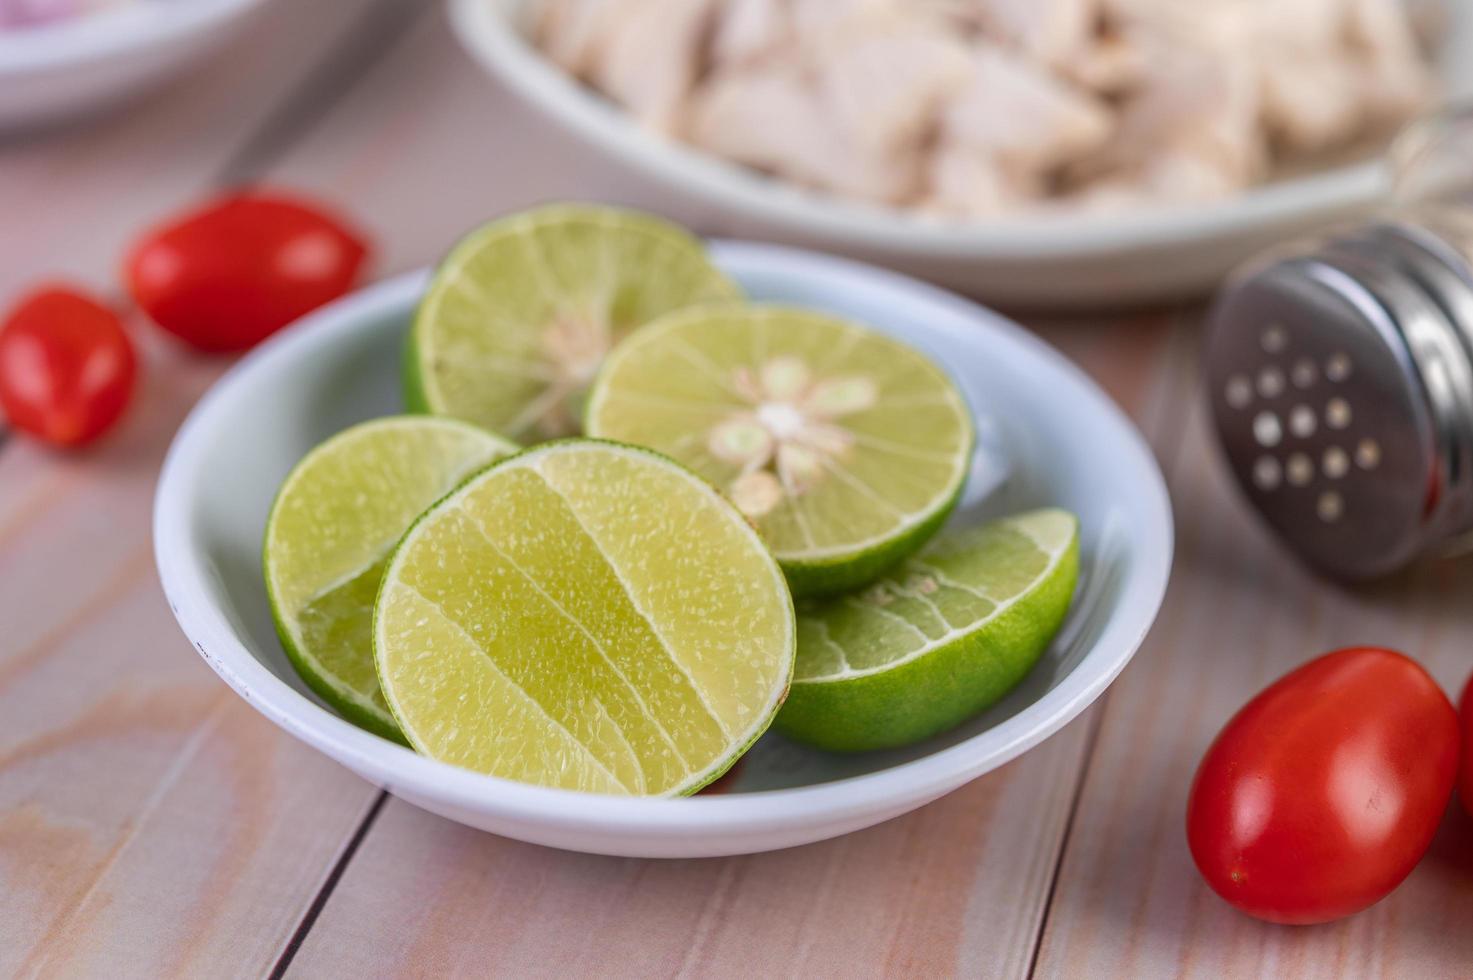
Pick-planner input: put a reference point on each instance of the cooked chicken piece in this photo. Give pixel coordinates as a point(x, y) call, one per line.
point(1338, 68)
point(572, 32)
point(1006, 133)
point(884, 86)
point(1309, 95)
point(1171, 179)
point(975, 107)
point(1186, 102)
point(1053, 33)
point(650, 59)
point(749, 29)
point(1305, 25)
point(1324, 66)
point(824, 21)
point(1182, 176)
point(1110, 64)
point(1396, 82)
point(1021, 116)
point(850, 118)
point(769, 117)
point(1109, 196)
point(1311, 103)
point(966, 184)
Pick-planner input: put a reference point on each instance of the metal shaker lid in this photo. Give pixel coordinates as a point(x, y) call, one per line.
point(1322, 410)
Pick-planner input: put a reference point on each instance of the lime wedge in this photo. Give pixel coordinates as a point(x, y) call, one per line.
point(521, 313)
point(335, 521)
point(587, 616)
point(847, 449)
point(939, 638)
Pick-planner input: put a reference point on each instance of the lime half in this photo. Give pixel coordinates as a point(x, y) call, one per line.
point(939, 638)
point(521, 313)
point(587, 616)
point(335, 521)
point(846, 448)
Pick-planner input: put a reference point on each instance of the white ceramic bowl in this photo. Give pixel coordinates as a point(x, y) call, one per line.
point(1047, 436)
point(72, 66)
point(1044, 261)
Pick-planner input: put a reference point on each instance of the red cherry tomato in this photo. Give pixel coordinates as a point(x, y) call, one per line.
point(1465, 778)
point(66, 366)
point(241, 267)
point(1324, 791)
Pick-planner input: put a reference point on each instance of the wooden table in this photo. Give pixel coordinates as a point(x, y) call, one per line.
point(151, 824)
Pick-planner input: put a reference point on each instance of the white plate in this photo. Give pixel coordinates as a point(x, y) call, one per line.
point(1047, 435)
point(1055, 261)
point(76, 65)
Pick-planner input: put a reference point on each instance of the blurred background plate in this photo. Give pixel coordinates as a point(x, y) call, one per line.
point(1053, 262)
point(51, 72)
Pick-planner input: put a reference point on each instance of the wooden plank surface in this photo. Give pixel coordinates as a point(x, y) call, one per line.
point(1239, 614)
point(151, 824)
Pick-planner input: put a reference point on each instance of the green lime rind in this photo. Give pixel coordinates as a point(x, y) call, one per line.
point(480, 345)
point(954, 675)
point(824, 578)
point(411, 384)
point(343, 700)
point(695, 781)
point(325, 627)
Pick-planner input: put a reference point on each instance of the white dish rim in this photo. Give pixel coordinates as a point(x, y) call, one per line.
point(102, 35)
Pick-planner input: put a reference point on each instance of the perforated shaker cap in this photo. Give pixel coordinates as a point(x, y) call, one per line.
point(1323, 409)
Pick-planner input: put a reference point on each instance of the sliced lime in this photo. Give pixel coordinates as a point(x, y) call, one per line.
point(939, 638)
point(335, 520)
point(587, 616)
point(846, 448)
point(521, 313)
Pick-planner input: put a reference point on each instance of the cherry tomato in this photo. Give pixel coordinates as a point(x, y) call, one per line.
point(1324, 791)
point(1465, 778)
point(241, 267)
point(66, 366)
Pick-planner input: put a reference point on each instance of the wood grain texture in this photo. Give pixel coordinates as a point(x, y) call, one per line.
point(72, 198)
point(916, 897)
point(425, 147)
point(1240, 613)
point(150, 823)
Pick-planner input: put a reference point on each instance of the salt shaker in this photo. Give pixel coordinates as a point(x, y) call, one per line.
point(1340, 371)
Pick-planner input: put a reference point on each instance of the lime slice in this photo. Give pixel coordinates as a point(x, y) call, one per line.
point(521, 313)
point(939, 638)
point(588, 616)
point(847, 449)
point(335, 521)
